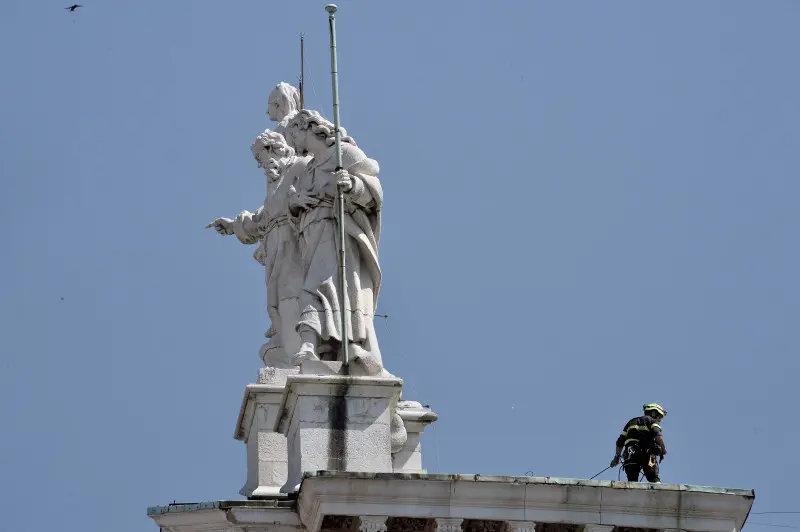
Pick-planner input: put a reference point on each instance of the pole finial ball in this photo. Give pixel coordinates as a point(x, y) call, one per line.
point(331, 8)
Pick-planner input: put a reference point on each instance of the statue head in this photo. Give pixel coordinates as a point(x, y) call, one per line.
point(310, 132)
point(271, 151)
point(283, 100)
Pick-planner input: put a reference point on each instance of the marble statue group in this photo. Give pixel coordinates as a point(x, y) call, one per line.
point(296, 232)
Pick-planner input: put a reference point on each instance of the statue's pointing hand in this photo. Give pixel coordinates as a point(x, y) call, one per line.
point(343, 180)
point(223, 226)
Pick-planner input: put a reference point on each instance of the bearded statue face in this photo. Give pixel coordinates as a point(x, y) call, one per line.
point(273, 168)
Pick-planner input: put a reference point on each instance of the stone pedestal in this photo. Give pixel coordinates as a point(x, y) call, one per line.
point(266, 449)
point(337, 423)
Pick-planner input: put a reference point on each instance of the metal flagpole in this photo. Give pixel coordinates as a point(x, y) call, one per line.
point(331, 9)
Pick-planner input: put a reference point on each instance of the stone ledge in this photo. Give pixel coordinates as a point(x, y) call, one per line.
point(276, 502)
point(272, 393)
point(531, 499)
point(278, 514)
point(534, 480)
point(415, 416)
point(418, 502)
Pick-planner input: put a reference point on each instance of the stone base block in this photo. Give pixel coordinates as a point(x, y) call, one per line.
point(267, 462)
point(320, 367)
point(337, 423)
point(275, 376)
point(354, 369)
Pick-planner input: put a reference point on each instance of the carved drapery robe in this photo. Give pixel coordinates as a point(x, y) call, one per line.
point(278, 250)
point(318, 228)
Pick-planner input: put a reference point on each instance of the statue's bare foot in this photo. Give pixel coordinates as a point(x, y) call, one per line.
point(306, 353)
point(270, 332)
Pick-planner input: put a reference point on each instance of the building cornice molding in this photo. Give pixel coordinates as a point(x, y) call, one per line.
point(532, 499)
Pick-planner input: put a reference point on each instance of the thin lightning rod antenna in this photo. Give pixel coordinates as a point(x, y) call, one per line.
point(343, 299)
point(302, 71)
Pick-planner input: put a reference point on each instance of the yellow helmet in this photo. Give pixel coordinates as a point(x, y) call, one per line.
point(655, 406)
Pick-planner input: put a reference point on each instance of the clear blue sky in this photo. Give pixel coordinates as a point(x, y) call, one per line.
point(589, 206)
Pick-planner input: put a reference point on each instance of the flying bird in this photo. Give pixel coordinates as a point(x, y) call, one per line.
point(73, 7)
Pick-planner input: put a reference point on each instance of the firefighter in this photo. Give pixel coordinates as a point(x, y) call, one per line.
point(642, 443)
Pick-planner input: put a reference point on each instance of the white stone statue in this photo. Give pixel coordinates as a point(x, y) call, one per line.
point(282, 104)
point(313, 205)
point(278, 249)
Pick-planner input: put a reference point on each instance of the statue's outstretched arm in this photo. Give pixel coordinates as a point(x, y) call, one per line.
point(248, 227)
point(223, 226)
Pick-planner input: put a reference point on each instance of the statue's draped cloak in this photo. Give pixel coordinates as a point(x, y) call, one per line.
point(277, 250)
point(319, 299)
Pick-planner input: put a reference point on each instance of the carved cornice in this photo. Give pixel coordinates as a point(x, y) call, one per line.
point(522, 499)
point(520, 526)
point(449, 524)
point(372, 523)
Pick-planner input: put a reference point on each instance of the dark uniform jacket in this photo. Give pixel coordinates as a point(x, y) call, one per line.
point(640, 433)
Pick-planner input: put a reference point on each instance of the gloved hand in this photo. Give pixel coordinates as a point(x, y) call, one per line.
point(615, 462)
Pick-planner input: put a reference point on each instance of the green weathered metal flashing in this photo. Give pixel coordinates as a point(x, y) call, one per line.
point(533, 480)
point(283, 502)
